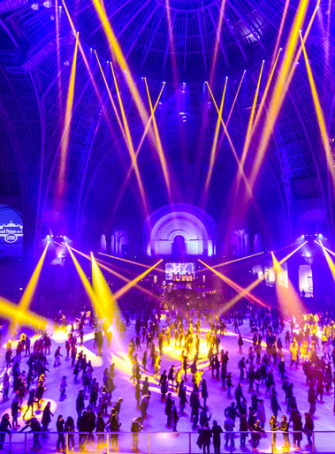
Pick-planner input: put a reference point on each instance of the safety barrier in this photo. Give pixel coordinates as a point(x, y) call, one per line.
point(159, 442)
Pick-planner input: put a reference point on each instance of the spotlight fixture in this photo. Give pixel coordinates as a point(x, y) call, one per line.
point(57, 239)
point(310, 237)
point(47, 4)
point(35, 6)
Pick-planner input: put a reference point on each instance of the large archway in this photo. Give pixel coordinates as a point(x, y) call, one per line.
point(179, 229)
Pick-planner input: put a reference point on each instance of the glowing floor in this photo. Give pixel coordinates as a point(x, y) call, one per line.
point(156, 421)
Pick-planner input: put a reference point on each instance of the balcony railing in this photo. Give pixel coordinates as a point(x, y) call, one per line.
point(159, 442)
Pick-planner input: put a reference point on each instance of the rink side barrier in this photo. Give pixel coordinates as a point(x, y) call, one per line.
point(182, 442)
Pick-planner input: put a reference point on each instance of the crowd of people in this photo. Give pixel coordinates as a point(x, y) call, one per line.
point(199, 338)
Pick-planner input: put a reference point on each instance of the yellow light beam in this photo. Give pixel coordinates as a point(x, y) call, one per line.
point(124, 260)
point(259, 280)
point(171, 43)
point(87, 286)
point(132, 283)
point(117, 53)
point(288, 297)
point(330, 262)
point(266, 91)
point(280, 30)
point(319, 114)
point(291, 253)
point(279, 90)
point(102, 290)
point(231, 109)
point(331, 252)
point(234, 285)
point(29, 291)
point(95, 87)
point(105, 266)
point(12, 312)
point(118, 275)
point(67, 123)
point(111, 99)
point(127, 272)
point(298, 54)
point(158, 143)
point(130, 261)
point(217, 39)
point(236, 260)
point(147, 126)
point(215, 140)
point(286, 86)
point(240, 168)
point(247, 257)
point(130, 144)
point(59, 77)
point(248, 135)
point(235, 99)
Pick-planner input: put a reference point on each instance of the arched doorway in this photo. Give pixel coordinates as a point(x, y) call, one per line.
point(195, 227)
point(179, 246)
point(120, 243)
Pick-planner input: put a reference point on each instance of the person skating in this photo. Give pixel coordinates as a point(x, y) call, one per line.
point(80, 403)
point(274, 427)
point(216, 432)
point(284, 425)
point(163, 382)
point(308, 429)
point(46, 417)
point(57, 357)
point(30, 404)
point(114, 426)
point(297, 431)
point(136, 427)
point(174, 416)
point(4, 428)
point(69, 429)
point(82, 428)
point(229, 435)
point(182, 397)
point(195, 405)
point(168, 409)
point(256, 435)
point(62, 388)
point(60, 430)
point(206, 437)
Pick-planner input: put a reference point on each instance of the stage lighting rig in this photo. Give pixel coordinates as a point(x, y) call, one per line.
point(37, 4)
point(311, 238)
point(57, 239)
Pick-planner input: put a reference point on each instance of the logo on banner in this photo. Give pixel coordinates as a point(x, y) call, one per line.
point(11, 232)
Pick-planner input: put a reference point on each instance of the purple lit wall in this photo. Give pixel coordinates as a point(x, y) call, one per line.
point(170, 223)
